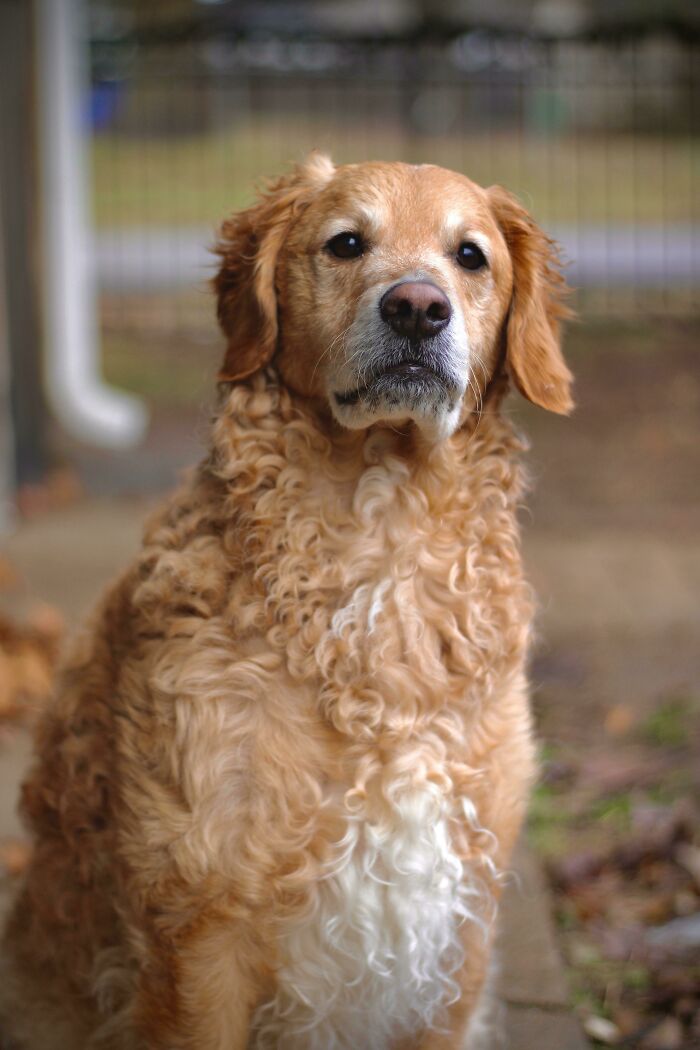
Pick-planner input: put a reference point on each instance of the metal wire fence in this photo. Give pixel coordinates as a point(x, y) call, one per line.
point(599, 137)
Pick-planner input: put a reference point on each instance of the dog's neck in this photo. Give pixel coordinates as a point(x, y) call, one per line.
point(264, 403)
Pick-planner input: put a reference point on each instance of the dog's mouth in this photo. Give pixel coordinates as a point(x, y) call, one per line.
point(411, 378)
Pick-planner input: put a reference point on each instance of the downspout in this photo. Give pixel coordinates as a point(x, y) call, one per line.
point(85, 406)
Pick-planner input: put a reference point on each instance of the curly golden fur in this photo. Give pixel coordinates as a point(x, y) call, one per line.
point(289, 755)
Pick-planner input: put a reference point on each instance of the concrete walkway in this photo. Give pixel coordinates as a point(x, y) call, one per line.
point(65, 559)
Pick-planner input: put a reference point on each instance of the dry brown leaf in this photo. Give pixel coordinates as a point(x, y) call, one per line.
point(28, 657)
point(610, 771)
point(59, 489)
point(688, 856)
point(33, 672)
point(577, 868)
point(619, 719)
point(658, 908)
point(668, 1035)
point(14, 855)
point(685, 902)
point(588, 902)
point(9, 577)
point(627, 1019)
point(65, 487)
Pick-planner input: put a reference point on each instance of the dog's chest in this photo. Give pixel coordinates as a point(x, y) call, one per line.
point(374, 603)
point(376, 956)
point(369, 595)
point(386, 618)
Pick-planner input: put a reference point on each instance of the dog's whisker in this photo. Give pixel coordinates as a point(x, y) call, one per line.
point(327, 352)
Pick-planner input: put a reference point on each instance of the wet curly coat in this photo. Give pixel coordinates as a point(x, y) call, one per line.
point(291, 751)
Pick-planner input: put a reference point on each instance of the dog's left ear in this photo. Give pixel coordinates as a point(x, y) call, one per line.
point(249, 246)
point(532, 332)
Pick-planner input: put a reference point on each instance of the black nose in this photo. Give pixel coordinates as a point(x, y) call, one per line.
point(416, 309)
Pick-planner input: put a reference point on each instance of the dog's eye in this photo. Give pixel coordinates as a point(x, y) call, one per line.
point(346, 246)
point(470, 256)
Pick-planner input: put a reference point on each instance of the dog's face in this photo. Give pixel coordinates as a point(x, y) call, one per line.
point(394, 292)
point(406, 279)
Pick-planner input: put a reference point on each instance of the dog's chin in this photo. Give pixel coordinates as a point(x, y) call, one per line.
point(406, 393)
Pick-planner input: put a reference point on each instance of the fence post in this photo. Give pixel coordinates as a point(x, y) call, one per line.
point(23, 456)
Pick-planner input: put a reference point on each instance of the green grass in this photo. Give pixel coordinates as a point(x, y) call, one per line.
point(596, 980)
point(671, 723)
point(196, 180)
point(615, 811)
point(548, 821)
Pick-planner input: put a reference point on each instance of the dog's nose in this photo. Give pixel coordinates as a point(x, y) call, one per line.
point(416, 309)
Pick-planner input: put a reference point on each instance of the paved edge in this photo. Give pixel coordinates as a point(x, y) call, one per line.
point(531, 980)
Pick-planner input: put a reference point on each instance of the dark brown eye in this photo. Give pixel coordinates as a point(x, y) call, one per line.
point(346, 246)
point(470, 256)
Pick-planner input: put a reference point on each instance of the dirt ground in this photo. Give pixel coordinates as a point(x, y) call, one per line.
point(619, 479)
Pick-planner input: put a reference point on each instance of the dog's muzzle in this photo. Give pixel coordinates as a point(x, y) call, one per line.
point(409, 377)
point(405, 359)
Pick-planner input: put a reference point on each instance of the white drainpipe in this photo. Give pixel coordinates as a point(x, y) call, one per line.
point(87, 408)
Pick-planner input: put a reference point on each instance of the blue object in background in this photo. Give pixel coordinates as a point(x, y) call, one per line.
point(104, 102)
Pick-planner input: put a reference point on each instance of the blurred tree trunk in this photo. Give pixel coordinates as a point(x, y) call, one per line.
point(18, 230)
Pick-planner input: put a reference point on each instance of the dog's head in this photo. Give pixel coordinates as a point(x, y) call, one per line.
point(396, 292)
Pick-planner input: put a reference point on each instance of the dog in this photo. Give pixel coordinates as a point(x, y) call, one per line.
point(277, 790)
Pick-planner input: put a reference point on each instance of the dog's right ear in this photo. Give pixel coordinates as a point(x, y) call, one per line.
point(537, 308)
point(249, 247)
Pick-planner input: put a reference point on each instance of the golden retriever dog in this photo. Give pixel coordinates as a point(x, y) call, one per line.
point(278, 788)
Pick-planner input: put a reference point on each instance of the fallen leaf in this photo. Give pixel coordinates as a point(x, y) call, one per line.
point(668, 1035)
point(610, 772)
point(64, 486)
point(33, 672)
point(59, 488)
point(28, 657)
point(619, 720)
point(9, 577)
point(658, 908)
point(685, 902)
point(686, 1007)
point(579, 867)
point(14, 855)
point(627, 1019)
point(688, 857)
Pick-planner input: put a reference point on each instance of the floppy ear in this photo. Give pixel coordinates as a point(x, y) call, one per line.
point(249, 246)
point(532, 331)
